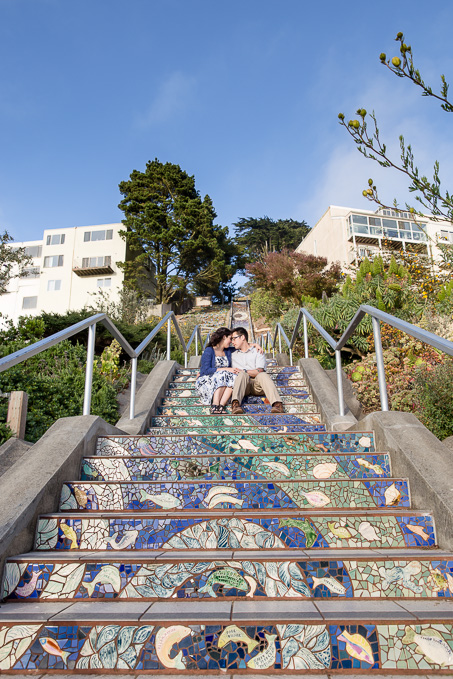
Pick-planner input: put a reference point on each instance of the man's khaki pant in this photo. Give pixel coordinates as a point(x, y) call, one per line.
point(260, 385)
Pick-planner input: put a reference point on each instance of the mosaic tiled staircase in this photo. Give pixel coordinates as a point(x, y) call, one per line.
point(230, 545)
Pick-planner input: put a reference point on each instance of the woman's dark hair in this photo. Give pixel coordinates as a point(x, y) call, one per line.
point(218, 335)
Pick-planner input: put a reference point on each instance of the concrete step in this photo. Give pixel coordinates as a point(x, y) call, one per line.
point(282, 494)
point(248, 408)
point(230, 529)
point(236, 466)
point(106, 576)
point(266, 442)
point(211, 637)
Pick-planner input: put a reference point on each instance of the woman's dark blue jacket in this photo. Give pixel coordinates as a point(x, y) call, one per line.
point(207, 365)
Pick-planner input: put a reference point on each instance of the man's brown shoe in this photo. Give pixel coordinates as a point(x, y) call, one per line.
point(236, 408)
point(277, 407)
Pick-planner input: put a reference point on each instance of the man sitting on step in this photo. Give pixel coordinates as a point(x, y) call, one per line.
point(252, 378)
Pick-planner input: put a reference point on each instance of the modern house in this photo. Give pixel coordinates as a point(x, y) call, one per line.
point(347, 235)
point(68, 267)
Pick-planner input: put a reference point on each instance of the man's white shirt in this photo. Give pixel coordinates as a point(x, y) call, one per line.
point(251, 359)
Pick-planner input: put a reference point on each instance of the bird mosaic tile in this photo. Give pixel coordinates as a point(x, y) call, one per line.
point(223, 647)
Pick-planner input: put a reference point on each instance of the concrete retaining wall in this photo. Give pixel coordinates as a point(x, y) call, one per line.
point(325, 396)
point(148, 398)
point(32, 486)
point(419, 456)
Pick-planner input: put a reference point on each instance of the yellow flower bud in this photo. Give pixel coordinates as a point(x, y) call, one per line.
point(396, 61)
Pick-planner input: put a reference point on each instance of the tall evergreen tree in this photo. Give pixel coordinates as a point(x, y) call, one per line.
point(172, 231)
point(263, 235)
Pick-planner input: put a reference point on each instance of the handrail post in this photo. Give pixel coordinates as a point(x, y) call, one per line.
point(185, 359)
point(305, 337)
point(133, 387)
point(279, 340)
point(89, 369)
point(196, 342)
point(290, 356)
point(339, 382)
point(169, 339)
point(380, 364)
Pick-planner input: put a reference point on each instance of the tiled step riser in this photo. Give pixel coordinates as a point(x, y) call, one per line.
point(173, 398)
point(226, 421)
point(188, 383)
point(307, 530)
point(273, 370)
point(227, 579)
point(182, 496)
point(249, 409)
point(270, 443)
point(246, 431)
point(247, 646)
point(231, 467)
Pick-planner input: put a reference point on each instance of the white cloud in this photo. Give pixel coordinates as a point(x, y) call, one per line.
point(174, 96)
point(344, 173)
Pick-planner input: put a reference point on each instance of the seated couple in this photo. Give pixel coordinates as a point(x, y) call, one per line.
point(234, 372)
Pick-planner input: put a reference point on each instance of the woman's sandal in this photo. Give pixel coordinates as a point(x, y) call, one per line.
point(221, 410)
point(215, 409)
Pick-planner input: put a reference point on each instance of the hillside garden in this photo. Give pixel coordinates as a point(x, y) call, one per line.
point(419, 378)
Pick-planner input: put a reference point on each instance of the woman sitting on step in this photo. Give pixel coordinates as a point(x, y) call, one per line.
point(216, 379)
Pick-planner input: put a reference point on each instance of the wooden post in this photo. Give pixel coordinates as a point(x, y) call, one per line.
point(17, 413)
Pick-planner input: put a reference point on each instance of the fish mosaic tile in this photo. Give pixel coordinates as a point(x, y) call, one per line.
point(232, 467)
point(265, 442)
point(322, 529)
point(425, 578)
point(241, 495)
point(291, 385)
point(224, 647)
point(249, 409)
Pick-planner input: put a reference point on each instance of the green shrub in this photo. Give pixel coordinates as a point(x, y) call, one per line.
point(433, 388)
point(55, 381)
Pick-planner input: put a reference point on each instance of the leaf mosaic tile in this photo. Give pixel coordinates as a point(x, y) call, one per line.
point(226, 579)
point(227, 647)
point(407, 528)
point(231, 467)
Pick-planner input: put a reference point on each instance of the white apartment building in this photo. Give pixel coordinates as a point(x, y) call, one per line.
point(69, 267)
point(347, 235)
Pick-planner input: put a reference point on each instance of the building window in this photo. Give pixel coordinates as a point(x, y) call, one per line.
point(104, 282)
point(56, 239)
point(98, 235)
point(359, 219)
point(29, 303)
point(88, 262)
point(55, 260)
point(33, 250)
point(53, 286)
point(446, 235)
point(30, 272)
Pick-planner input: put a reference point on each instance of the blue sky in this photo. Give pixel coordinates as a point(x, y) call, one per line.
point(244, 95)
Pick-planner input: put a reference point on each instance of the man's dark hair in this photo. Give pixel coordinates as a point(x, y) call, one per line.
point(243, 332)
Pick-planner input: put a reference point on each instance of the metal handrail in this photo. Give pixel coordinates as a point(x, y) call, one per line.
point(281, 333)
point(377, 316)
point(90, 323)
